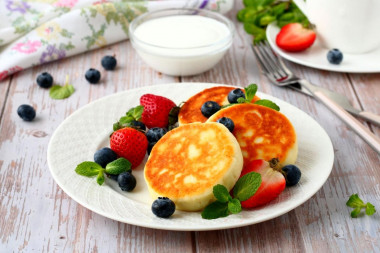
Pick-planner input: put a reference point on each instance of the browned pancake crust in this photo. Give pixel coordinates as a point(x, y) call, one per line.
point(191, 110)
point(255, 121)
point(169, 162)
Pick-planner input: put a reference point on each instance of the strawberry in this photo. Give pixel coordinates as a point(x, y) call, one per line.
point(294, 37)
point(130, 144)
point(156, 110)
point(273, 183)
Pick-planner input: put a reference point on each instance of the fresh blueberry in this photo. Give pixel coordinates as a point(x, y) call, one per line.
point(104, 156)
point(155, 133)
point(335, 56)
point(26, 112)
point(209, 108)
point(44, 80)
point(92, 76)
point(113, 177)
point(127, 181)
point(227, 122)
point(234, 95)
point(163, 207)
point(109, 62)
point(138, 124)
point(292, 174)
point(150, 146)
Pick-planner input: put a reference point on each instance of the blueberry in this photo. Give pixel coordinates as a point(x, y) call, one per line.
point(113, 177)
point(92, 76)
point(127, 181)
point(335, 56)
point(26, 112)
point(138, 124)
point(292, 174)
point(209, 108)
point(109, 62)
point(44, 80)
point(234, 95)
point(150, 146)
point(227, 122)
point(163, 207)
point(155, 133)
point(104, 156)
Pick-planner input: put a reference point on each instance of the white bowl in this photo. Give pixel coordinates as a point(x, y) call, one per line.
point(181, 60)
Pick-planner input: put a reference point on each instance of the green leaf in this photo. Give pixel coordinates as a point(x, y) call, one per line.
point(173, 115)
point(61, 92)
point(234, 206)
point(221, 193)
point(100, 178)
point(126, 119)
point(250, 92)
point(355, 213)
point(267, 103)
point(241, 100)
point(136, 112)
point(247, 186)
point(370, 209)
point(215, 210)
point(118, 166)
point(354, 201)
point(88, 169)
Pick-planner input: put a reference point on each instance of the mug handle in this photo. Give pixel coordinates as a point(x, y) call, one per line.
point(302, 5)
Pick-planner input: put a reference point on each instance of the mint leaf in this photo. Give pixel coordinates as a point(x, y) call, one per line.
point(61, 92)
point(88, 169)
point(250, 92)
point(267, 103)
point(234, 206)
point(118, 166)
point(100, 178)
point(241, 100)
point(355, 202)
point(125, 120)
point(221, 193)
point(215, 210)
point(247, 185)
point(133, 114)
point(136, 112)
point(370, 209)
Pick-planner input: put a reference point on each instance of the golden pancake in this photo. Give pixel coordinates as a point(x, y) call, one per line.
point(191, 111)
point(262, 133)
point(188, 161)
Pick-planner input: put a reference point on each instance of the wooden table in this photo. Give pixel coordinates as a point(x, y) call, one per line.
point(36, 215)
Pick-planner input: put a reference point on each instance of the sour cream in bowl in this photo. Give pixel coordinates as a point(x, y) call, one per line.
point(181, 42)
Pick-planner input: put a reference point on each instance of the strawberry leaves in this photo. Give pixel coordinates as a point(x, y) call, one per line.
point(134, 114)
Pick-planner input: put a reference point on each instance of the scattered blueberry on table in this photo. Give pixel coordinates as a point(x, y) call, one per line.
point(335, 56)
point(45, 80)
point(92, 76)
point(163, 207)
point(109, 62)
point(26, 112)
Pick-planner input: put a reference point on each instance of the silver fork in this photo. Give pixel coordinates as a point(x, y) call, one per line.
point(279, 74)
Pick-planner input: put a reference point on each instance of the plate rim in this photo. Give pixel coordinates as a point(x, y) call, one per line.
point(197, 227)
point(271, 31)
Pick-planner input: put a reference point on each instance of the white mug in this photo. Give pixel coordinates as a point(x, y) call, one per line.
point(352, 26)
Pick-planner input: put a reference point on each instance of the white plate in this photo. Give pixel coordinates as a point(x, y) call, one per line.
point(88, 130)
point(316, 57)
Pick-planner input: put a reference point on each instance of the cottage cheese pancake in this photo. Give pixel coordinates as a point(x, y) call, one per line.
point(191, 110)
point(262, 133)
point(187, 162)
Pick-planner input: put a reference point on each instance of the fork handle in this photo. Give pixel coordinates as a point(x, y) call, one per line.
point(358, 128)
point(371, 117)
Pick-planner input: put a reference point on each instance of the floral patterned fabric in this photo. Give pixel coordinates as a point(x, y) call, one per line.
point(34, 32)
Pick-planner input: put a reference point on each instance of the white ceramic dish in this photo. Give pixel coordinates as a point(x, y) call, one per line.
point(181, 42)
point(316, 57)
point(88, 129)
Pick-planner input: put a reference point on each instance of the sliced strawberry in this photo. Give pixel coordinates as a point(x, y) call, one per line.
point(156, 110)
point(294, 37)
point(273, 183)
point(130, 144)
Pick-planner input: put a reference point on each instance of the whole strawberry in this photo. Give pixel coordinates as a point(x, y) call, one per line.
point(130, 144)
point(156, 110)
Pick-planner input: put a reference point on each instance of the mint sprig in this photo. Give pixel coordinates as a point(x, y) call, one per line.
point(225, 205)
point(355, 202)
point(250, 93)
point(62, 92)
point(91, 169)
point(134, 114)
point(268, 103)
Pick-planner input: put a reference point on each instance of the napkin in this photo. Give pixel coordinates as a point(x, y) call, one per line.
point(34, 32)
